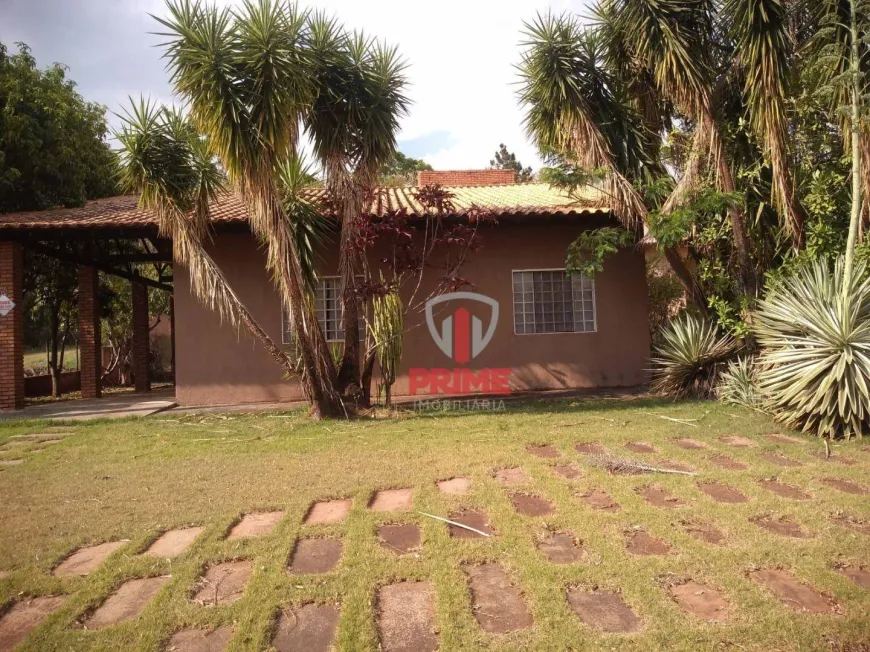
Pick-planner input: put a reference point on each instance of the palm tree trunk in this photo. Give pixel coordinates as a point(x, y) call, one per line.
point(349, 371)
point(855, 120)
point(693, 291)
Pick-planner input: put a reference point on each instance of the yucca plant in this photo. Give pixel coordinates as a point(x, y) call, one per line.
point(388, 330)
point(815, 360)
point(739, 384)
point(690, 358)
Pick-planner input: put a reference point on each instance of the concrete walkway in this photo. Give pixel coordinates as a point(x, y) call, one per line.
point(111, 406)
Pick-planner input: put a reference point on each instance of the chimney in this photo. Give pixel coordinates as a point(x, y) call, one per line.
point(466, 177)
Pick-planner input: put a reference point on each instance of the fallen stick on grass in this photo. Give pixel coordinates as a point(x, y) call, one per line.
point(685, 422)
point(462, 525)
point(622, 465)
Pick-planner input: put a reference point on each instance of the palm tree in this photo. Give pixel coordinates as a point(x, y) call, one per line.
point(165, 162)
point(574, 110)
point(353, 122)
point(245, 76)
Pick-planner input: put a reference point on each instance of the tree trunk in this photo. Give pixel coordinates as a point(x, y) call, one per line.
point(693, 291)
point(366, 377)
point(53, 370)
point(349, 371)
point(855, 125)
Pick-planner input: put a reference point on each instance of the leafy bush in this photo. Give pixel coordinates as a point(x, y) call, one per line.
point(739, 385)
point(814, 369)
point(690, 358)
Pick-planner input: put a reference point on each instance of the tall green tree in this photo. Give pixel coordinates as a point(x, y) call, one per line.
point(505, 160)
point(401, 170)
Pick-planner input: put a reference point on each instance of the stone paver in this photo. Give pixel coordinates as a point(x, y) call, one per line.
point(659, 497)
point(308, 629)
point(785, 439)
point(256, 525)
point(640, 447)
point(561, 548)
point(472, 518)
point(783, 526)
point(407, 617)
point(24, 616)
point(603, 610)
point(400, 539)
point(455, 486)
point(691, 444)
point(722, 493)
point(543, 450)
point(854, 524)
point(705, 532)
point(861, 576)
point(499, 607)
point(85, 561)
point(701, 601)
point(846, 486)
point(529, 505)
point(784, 490)
point(737, 441)
point(511, 477)
point(590, 448)
point(126, 603)
point(327, 512)
point(314, 556)
point(567, 471)
point(600, 500)
point(793, 594)
point(223, 583)
point(392, 500)
point(644, 544)
point(727, 463)
point(200, 640)
point(780, 460)
point(174, 542)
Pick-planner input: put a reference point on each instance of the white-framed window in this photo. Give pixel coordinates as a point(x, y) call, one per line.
point(551, 301)
point(327, 307)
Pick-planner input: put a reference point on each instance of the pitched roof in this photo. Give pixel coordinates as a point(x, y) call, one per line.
point(501, 201)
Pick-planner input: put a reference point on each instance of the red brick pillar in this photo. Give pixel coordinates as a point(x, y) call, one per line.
point(141, 335)
point(12, 328)
point(90, 340)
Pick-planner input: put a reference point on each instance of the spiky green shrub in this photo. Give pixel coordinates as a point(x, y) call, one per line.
point(814, 369)
point(739, 385)
point(388, 331)
point(690, 358)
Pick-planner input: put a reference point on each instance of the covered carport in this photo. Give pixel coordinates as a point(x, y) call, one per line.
point(111, 236)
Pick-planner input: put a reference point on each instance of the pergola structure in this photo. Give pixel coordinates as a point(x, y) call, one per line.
point(78, 237)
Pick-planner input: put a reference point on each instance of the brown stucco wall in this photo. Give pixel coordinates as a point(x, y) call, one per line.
point(216, 364)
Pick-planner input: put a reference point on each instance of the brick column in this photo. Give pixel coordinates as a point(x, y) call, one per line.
point(90, 340)
point(12, 328)
point(141, 335)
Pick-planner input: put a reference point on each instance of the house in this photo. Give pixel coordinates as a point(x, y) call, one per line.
point(528, 327)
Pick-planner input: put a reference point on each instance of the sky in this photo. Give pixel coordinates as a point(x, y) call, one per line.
point(461, 55)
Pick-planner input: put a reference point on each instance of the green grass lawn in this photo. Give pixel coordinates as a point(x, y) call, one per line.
point(115, 480)
point(35, 359)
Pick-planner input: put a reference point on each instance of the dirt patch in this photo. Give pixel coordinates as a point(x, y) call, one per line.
point(561, 548)
point(314, 556)
point(15, 444)
point(255, 525)
point(173, 543)
point(392, 500)
point(839, 459)
point(406, 617)
point(783, 526)
point(779, 460)
point(84, 561)
point(13, 462)
point(691, 444)
point(640, 543)
point(856, 525)
point(126, 603)
point(737, 442)
point(325, 512)
point(658, 497)
point(590, 448)
point(529, 505)
point(308, 629)
point(601, 500)
point(674, 466)
point(785, 439)
point(223, 583)
point(511, 477)
point(567, 471)
point(859, 575)
point(846, 486)
point(784, 490)
point(455, 486)
point(603, 611)
point(792, 593)
point(722, 493)
point(400, 539)
point(200, 640)
point(543, 450)
point(701, 601)
point(639, 447)
point(4, 574)
point(498, 605)
point(24, 617)
point(727, 463)
point(477, 520)
point(706, 533)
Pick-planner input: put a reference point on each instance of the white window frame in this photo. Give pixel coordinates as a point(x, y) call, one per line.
point(287, 332)
point(555, 269)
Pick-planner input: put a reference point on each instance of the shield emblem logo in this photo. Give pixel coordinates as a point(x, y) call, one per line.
point(461, 336)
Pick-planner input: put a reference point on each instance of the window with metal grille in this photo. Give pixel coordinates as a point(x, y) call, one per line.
point(327, 307)
point(551, 301)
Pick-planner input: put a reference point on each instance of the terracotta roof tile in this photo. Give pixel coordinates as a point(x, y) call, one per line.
point(500, 200)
